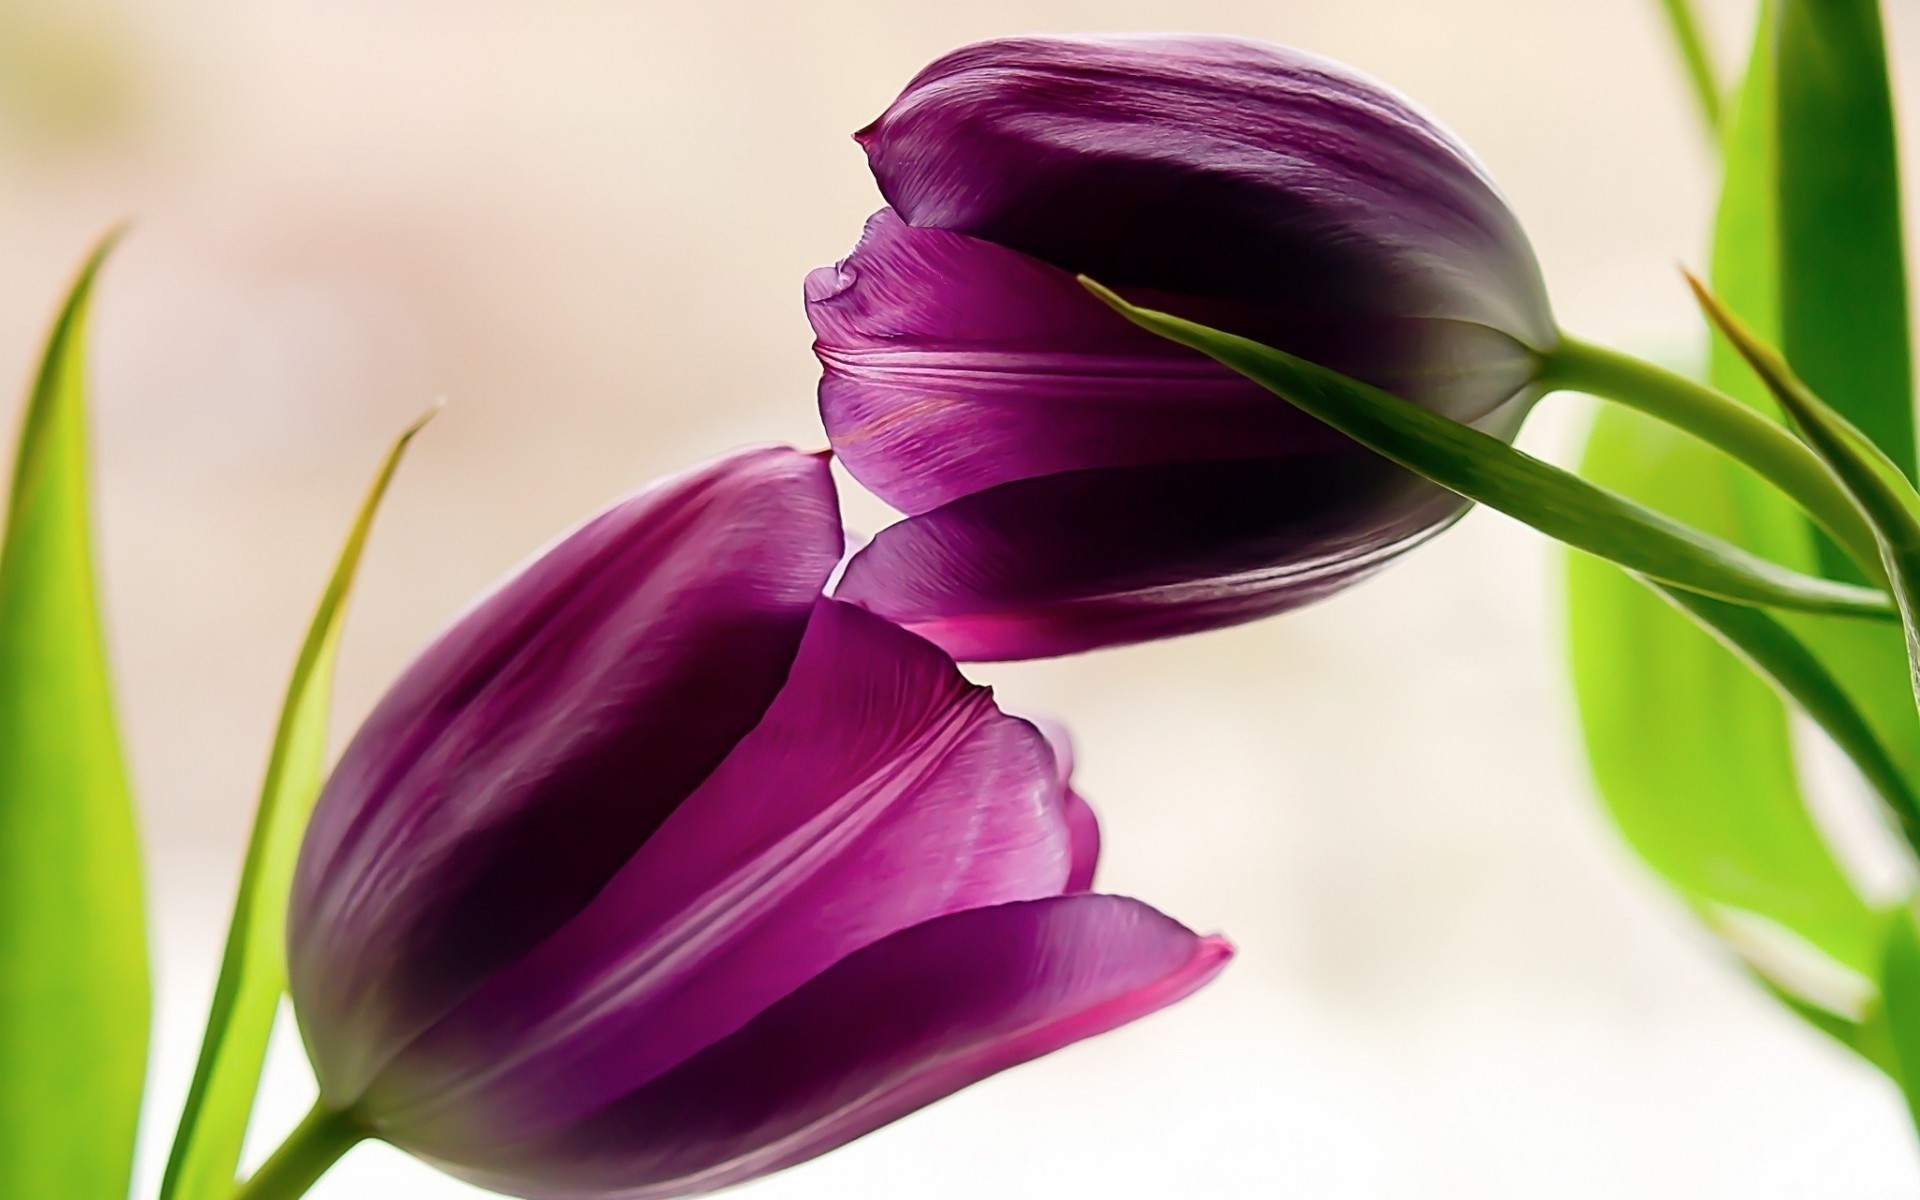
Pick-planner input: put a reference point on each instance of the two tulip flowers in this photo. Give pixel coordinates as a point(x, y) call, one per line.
point(663, 869)
point(688, 853)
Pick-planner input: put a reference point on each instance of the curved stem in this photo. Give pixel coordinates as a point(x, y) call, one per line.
point(1721, 421)
point(313, 1147)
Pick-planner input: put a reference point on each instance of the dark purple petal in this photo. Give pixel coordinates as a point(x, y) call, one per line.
point(1070, 484)
point(951, 365)
point(1209, 166)
point(880, 791)
point(1082, 823)
point(1076, 561)
point(886, 1031)
point(526, 756)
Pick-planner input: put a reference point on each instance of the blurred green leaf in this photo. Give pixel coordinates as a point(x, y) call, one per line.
point(1865, 1036)
point(1691, 43)
point(1746, 242)
point(1777, 654)
point(253, 972)
point(1839, 306)
point(1843, 289)
point(1691, 752)
point(1870, 660)
point(1837, 263)
point(1900, 999)
point(1485, 469)
point(74, 998)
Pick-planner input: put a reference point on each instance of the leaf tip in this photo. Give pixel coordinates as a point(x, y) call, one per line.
point(1106, 294)
point(433, 409)
point(1764, 360)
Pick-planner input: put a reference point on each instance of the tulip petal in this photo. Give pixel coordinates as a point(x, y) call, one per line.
point(1082, 823)
point(1084, 826)
point(521, 761)
point(880, 791)
point(885, 1031)
point(1072, 562)
point(1209, 166)
point(952, 365)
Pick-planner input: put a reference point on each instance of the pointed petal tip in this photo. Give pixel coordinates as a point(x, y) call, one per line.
point(985, 990)
point(1215, 948)
point(1210, 955)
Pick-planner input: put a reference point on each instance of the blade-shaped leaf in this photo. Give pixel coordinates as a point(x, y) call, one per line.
point(1864, 1036)
point(1900, 1001)
point(1875, 482)
point(1843, 289)
point(1830, 270)
point(74, 999)
point(1487, 470)
point(1777, 653)
point(1691, 752)
point(1746, 228)
point(213, 1125)
point(1870, 661)
point(1828, 264)
point(1691, 43)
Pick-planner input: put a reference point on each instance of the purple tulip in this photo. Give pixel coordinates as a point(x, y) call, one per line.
point(1072, 481)
point(659, 872)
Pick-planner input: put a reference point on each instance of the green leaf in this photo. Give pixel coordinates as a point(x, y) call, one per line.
point(1900, 999)
point(1487, 470)
point(1873, 480)
point(1843, 315)
point(1691, 44)
point(253, 972)
point(1832, 266)
point(1746, 229)
point(1822, 275)
point(1870, 661)
point(74, 999)
point(1691, 751)
point(1862, 1036)
point(1773, 650)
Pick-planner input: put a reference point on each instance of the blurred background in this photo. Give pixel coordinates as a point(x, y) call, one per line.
point(585, 224)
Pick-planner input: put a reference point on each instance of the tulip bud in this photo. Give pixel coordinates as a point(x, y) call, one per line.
point(1072, 481)
point(659, 872)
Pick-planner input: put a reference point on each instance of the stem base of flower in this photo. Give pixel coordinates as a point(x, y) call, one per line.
point(313, 1147)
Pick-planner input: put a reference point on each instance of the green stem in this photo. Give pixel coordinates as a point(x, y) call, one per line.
point(314, 1146)
point(1699, 61)
point(1719, 420)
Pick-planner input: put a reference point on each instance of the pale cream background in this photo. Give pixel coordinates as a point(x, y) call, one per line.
point(585, 224)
